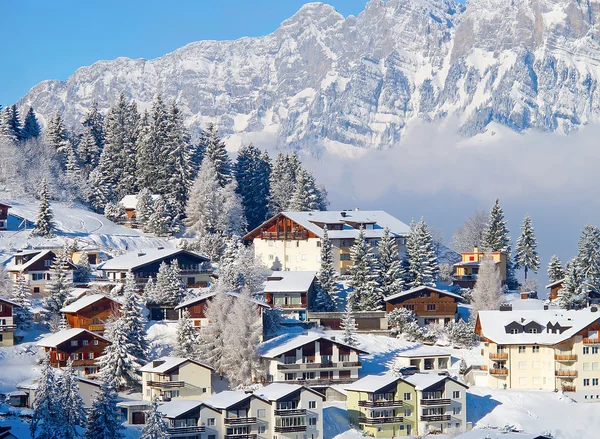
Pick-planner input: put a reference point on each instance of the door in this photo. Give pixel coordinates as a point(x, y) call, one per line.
point(139, 418)
point(408, 429)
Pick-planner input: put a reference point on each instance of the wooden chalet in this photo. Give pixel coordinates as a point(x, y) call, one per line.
point(291, 291)
point(4, 216)
point(431, 306)
point(592, 295)
point(7, 322)
point(35, 266)
point(90, 312)
point(555, 288)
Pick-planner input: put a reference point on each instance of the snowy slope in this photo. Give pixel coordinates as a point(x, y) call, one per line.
point(325, 81)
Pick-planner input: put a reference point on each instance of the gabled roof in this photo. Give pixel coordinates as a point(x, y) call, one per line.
point(143, 257)
point(4, 204)
point(277, 391)
point(208, 295)
point(10, 302)
point(86, 301)
point(39, 254)
point(299, 341)
point(167, 364)
point(130, 201)
point(425, 351)
point(472, 263)
point(178, 407)
point(372, 383)
point(556, 282)
point(421, 288)
point(422, 381)
point(54, 340)
point(224, 400)
point(290, 281)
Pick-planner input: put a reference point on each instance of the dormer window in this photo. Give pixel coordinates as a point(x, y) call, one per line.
point(533, 330)
point(369, 226)
point(514, 331)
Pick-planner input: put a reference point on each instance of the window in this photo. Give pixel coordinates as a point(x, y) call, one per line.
point(409, 307)
point(148, 392)
point(318, 243)
point(312, 404)
point(594, 381)
point(262, 429)
point(38, 276)
point(270, 244)
point(407, 412)
point(456, 394)
point(537, 365)
point(431, 307)
point(312, 421)
point(74, 343)
point(304, 257)
point(594, 349)
point(522, 365)
point(344, 256)
point(586, 366)
point(535, 349)
point(586, 350)
point(210, 422)
point(521, 349)
point(586, 382)
point(379, 429)
point(203, 390)
point(456, 410)
point(271, 257)
point(85, 342)
point(90, 355)
point(48, 263)
point(533, 330)
point(514, 331)
point(95, 342)
point(595, 366)
point(260, 413)
point(407, 396)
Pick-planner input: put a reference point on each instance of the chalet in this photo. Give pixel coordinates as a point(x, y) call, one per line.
point(366, 321)
point(80, 345)
point(195, 269)
point(313, 360)
point(24, 396)
point(431, 306)
point(426, 358)
point(197, 305)
point(555, 288)
point(129, 202)
point(467, 269)
point(36, 268)
point(4, 216)
point(7, 322)
point(91, 312)
point(292, 291)
point(592, 295)
point(169, 378)
point(291, 241)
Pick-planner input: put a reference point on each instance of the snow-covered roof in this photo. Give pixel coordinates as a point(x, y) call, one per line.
point(556, 282)
point(134, 403)
point(478, 433)
point(372, 383)
point(210, 294)
point(4, 204)
point(425, 351)
point(90, 382)
point(84, 302)
point(130, 201)
point(142, 257)
point(16, 393)
point(39, 254)
point(417, 289)
point(493, 325)
point(165, 364)
point(276, 391)
point(60, 337)
point(10, 302)
point(30, 384)
point(178, 407)
point(424, 380)
point(290, 281)
point(299, 341)
point(226, 399)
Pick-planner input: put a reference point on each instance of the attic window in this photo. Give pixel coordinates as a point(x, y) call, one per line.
point(471, 258)
point(533, 330)
point(514, 331)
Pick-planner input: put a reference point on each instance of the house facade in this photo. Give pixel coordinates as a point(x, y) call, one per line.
point(129, 202)
point(83, 347)
point(36, 268)
point(467, 270)
point(24, 396)
point(168, 378)
point(292, 292)
point(4, 216)
point(291, 241)
point(426, 358)
point(91, 312)
point(554, 350)
point(7, 322)
point(430, 305)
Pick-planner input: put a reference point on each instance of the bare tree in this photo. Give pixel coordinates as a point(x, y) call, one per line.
point(487, 294)
point(470, 234)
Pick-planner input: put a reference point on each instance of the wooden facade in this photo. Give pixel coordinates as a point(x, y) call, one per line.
point(83, 349)
point(429, 304)
point(93, 316)
point(280, 227)
point(7, 323)
point(4, 216)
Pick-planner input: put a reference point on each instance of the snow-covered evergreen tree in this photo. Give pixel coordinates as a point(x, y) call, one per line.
point(44, 223)
point(497, 239)
point(156, 427)
point(212, 339)
point(21, 295)
point(103, 420)
point(527, 256)
point(272, 321)
point(588, 256)
point(488, 293)
point(555, 269)
point(84, 270)
point(348, 326)
point(572, 293)
point(282, 182)
point(306, 195)
point(463, 367)
point(31, 126)
point(214, 150)
point(252, 172)
point(63, 323)
point(70, 403)
point(164, 220)
point(422, 263)
point(118, 366)
point(461, 334)
point(203, 205)
point(114, 212)
point(47, 416)
point(327, 290)
point(132, 318)
point(398, 319)
point(233, 218)
point(14, 122)
point(59, 289)
point(143, 207)
point(99, 191)
point(210, 244)
point(169, 288)
point(94, 124)
point(391, 277)
point(56, 133)
point(363, 276)
point(187, 337)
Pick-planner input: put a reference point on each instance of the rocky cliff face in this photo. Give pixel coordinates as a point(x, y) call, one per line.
point(527, 64)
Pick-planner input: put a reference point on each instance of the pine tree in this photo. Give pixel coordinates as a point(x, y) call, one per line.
point(497, 239)
point(572, 293)
point(59, 288)
point(83, 273)
point(398, 320)
point(156, 427)
point(94, 124)
point(70, 403)
point(169, 288)
point(391, 276)
point(56, 133)
point(212, 339)
point(252, 172)
point(163, 221)
point(233, 220)
point(363, 276)
point(31, 126)
point(143, 207)
point(44, 224)
point(133, 319)
point(588, 256)
point(463, 367)
point(327, 290)
point(103, 420)
point(14, 121)
point(306, 195)
point(114, 212)
point(487, 294)
point(527, 256)
point(63, 323)
point(46, 420)
point(214, 149)
point(118, 366)
point(348, 326)
point(203, 205)
point(282, 182)
point(556, 271)
point(100, 191)
point(211, 245)
point(21, 295)
point(6, 131)
point(187, 337)
point(421, 261)
point(461, 334)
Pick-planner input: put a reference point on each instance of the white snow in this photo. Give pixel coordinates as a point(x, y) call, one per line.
point(417, 289)
point(372, 383)
point(84, 302)
point(289, 281)
point(142, 257)
point(276, 391)
point(162, 364)
point(226, 399)
point(54, 340)
point(178, 407)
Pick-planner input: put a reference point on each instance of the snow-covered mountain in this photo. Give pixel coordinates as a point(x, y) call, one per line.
point(322, 78)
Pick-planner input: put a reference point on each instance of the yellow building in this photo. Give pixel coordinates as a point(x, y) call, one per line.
point(467, 270)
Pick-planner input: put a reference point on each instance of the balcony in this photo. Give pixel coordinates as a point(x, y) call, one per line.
point(8, 328)
point(565, 373)
point(186, 431)
point(290, 412)
point(501, 372)
point(378, 404)
point(436, 401)
point(591, 341)
point(240, 436)
point(567, 388)
point(499, 356)
point(320, 382)
point(240, 421)
point(166, 384)
point(299, 234)
point(96, 328)
point(566, 357)
point(327, 365)
point(290, 429)
point(377, 421)
point(435, 418)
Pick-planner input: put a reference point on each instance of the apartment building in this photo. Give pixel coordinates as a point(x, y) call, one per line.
point(7, 322)
point(543, 349)
point(386, 406)
point(291, 241)
point(168, 378)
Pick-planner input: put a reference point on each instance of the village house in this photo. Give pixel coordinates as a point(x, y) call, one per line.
point(93, 254)
point(386, 406)
point(312, 360)
point(169, 378)
point(7, 322)
point(129, 202)
point(195, 269)
point(292, 292)
point(80, 345)
point(291, 241)
point(431, 305)
point(426, 358)
point(592, 296)
point(183, 419)
point(554, 350)
point(24, 396)
point(4, 216)
point(91, 312)
point(36, 268)
point(366, 321)
point(467, 269)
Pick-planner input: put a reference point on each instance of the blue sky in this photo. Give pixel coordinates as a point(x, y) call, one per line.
point(51, 39)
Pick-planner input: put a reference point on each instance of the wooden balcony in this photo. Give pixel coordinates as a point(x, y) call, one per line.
point(96, 328)
point(8, 328)
point(290, 429)
point(498, 356)
point(186, 431)
point(240, 421)
point(298, 235)
point(565, 373)
point(567, 388)
point(327, 365)
point(591, 341)
point(378, 421)
point(377, 404)
point(320, 381)
point(435, 418)
point(166, 384)
point(240, 436)
point(436, 401)
point(290, 412)
point(566, 357)
point(501, 372)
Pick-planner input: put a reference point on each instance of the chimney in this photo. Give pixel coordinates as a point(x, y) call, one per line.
point(594, 309)
point(343, 213)
point(140, 254)
point(545, 307)
point(505, 307)
point(475, 250)
point(160, 248)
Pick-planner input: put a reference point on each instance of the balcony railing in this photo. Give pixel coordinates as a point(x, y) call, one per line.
point(391, 403)
point(240, 421)
point(435, 418)
point(498, 371)
point(303, 234)
point(96, 328)
point(186, 430)
point(166, 384)
point(290, 429)
point(591, 341)
point(320, 381)
point(499, 356)
point(291, 305)
point(240, 436)
point(326, 365)
point(569, 357)
point(290, 412)
point(466, 277)
point(565, 373)
point(436, 401)
point(385, 420)
point(8, 328)
point(566, 388)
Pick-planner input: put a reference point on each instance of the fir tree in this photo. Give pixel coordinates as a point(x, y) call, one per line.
point(391, 276)
point(348, 326)
point(94, 124)
point(487, 294)
point(114, 212)
point(14, 122)
point(59, 288)
point(556, 271)
point(163, 221)
point(422, 265)
point(100, 191)
point(169, 288)
point(306, 195)
point(282, 182)
point(46, 420)
point(327, 287)
point(143, 207)
point(211, 245)
point(6, 131)
point(572, 293)
point(132, 318)
point(527, 256)
point(273, 319)
point(187, 337)
point(118, 366)
point(31, 126)
point(70, 403)
point(21, 295)
point(363, 276)
point(212, 338)
point(156, 427)
point(44, 223)
point(56, 133)
point(588, 256)
point(497, 239)
point(203, 206)
point(398, 320)
point(214, 149)
point(63, 323)
point(252, 172)
point(83, 273)
point(463, 367)
point(103, 419)
point(461, 334)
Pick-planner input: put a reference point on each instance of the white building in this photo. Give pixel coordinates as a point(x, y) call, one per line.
point(426, 358)
point(35, 266)
point(292, 291)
